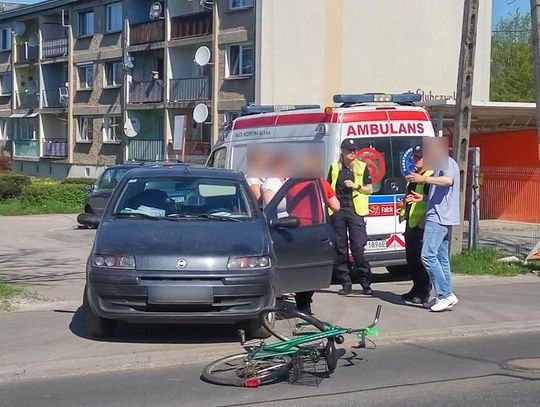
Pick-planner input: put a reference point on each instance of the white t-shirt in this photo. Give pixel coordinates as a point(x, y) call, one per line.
point(255, 181)
point(274, 185)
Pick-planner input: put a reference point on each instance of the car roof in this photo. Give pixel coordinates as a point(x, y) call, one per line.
point(185, 170)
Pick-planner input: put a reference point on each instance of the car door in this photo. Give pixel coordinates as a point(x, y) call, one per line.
point(305, 252)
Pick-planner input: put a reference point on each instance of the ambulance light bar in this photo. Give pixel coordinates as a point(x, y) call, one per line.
point(258, 109)
point(378, 97)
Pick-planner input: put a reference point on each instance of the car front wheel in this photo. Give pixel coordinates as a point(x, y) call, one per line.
point(96, 326)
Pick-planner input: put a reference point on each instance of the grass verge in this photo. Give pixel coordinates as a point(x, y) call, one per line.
point(8, 292)
point(15, 206)
point(483, 261)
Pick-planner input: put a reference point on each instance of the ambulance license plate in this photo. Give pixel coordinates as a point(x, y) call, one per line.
point(376, 245)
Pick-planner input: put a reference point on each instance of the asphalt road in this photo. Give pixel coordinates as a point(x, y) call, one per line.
point(480, 371)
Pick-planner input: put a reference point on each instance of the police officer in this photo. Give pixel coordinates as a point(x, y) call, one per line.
point(414, 214)
point(351, 180)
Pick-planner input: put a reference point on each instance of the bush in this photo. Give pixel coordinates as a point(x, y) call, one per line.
point(68, 195)
point(12, 186)
point(81, 181)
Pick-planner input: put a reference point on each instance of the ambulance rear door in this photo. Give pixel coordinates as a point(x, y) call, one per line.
point(386, 137)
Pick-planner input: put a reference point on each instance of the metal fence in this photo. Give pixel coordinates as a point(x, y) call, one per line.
point(509, 208)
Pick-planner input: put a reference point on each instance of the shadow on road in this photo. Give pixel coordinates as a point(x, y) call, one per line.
point(159, 333)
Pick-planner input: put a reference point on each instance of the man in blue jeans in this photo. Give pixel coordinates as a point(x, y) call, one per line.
point(442, 213)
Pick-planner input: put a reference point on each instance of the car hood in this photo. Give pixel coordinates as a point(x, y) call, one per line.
point(158, 244)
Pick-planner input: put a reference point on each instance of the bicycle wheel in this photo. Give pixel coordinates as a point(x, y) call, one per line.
point(237, 371)
point(285, 323)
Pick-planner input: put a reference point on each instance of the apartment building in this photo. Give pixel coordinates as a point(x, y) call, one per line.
point(76, 76)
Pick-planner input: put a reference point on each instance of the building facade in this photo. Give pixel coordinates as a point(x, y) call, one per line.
point(77, 77)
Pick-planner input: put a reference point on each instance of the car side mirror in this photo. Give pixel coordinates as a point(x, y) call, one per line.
point(289, 222)
point(91, 188)
point(88, 219)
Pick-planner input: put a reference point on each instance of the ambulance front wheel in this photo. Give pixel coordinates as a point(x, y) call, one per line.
point(398, 271)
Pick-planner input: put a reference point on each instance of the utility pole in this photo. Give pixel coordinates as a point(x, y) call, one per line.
point(535, 20)
point(462, 121)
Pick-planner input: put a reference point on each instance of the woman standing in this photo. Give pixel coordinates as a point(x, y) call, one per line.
point(350, 178)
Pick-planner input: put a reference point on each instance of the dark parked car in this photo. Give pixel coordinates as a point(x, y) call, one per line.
point(189, 245)
point(98, 194)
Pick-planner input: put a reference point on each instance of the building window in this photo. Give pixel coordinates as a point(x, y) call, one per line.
point(114, 73)
point(24, 129)
point(114, 17)
point(4, 132)
point(86, 129)
point(239, 60)
point(86, 76)
point(86, 23)
point(5, 39)
point(111, 129)
point(239, 4)
point(5, 84)
point(230, 116)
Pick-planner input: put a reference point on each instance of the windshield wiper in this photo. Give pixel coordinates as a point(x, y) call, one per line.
point(135, 215)
point(177, 216)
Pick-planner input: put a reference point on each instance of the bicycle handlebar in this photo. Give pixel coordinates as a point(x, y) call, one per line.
point(373, 324)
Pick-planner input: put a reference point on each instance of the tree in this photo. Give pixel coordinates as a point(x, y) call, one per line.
point(512, 60)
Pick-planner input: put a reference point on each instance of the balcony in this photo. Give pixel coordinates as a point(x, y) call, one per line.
point(192, 25)
point(145, 150)
point(190, 89)
point(26, 53)
point(54, 48)
point(27, 100)
point(25, 148)
point(144, 33)
point(55, 148)
point(146, 91)
point(55, 97)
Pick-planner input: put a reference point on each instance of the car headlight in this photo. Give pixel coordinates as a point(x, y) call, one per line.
point(252, 263)
point(116, 262)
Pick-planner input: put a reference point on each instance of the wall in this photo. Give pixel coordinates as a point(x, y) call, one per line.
point(151, 123)
point(97, 152)
point(235, 27)
point(54, 127)
point(181, 63)
point(351, 46)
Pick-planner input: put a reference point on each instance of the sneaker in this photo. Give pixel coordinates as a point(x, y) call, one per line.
point(453, 299)
point(442, 304)
point(430, 303)
point(346, 290)
point(367, 290)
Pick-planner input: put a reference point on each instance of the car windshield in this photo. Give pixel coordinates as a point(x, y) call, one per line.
point(111, 177)
point(184, 197)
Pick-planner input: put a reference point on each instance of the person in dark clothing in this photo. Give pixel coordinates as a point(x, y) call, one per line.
point(414, 214)
point(352, 182)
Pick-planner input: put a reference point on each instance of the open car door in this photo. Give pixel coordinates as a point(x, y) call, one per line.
point(303, 241)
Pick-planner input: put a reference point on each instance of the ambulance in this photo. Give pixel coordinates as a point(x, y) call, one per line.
point(387, 128)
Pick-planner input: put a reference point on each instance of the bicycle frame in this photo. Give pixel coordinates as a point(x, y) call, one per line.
point(290, 346)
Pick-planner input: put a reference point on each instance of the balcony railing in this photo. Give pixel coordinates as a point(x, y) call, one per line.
point(54, 48)
point(25, 148)
point(189, 89)
point(26, 53)
point(145, 150)
point(55, 148)
point(191, 25)
point(55, 97)
point(27, 100)
point(146, 91)
point(144, 33)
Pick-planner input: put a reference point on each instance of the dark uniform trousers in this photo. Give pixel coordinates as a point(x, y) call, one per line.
point(345, 220)
point(413, 251)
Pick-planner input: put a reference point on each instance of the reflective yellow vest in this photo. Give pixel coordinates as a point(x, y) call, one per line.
point(418, 210)
point(360, 200)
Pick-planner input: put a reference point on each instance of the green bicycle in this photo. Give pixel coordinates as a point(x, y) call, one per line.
point(302, 338)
